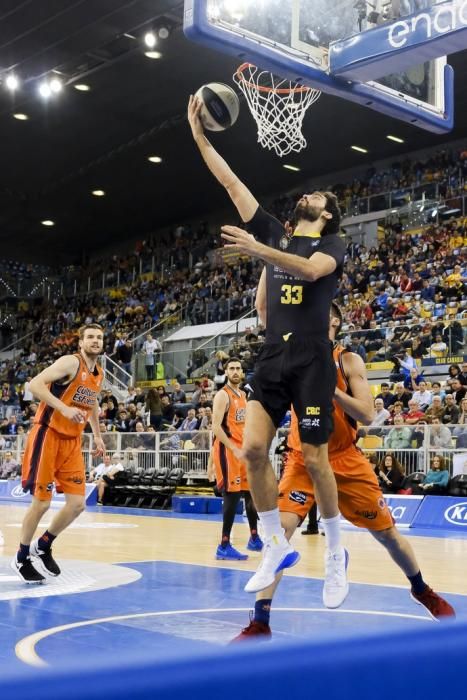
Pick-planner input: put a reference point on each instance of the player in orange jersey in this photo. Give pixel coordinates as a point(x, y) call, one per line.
point(360, 498)
point(68, 392)
point(228, 424)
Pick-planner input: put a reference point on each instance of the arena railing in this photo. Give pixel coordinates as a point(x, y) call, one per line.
point(190, 449)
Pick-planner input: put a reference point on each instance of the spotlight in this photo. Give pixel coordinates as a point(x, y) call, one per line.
point(48, 222)
point(12, 82)
point(150, 40)
point(55, 85)
point(82, 87)
point(163, 32)
point(44, 90)
point(155, 159)
point(153, 54)
point(20, 116)
point(98, 193)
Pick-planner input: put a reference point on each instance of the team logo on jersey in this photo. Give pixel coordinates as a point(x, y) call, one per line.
point(83, 376)
point(298, 497)
point(313, 410)
point(240, 415)
point(368, 514)
point(84, 396)
point(381, 503)
point(284, 242)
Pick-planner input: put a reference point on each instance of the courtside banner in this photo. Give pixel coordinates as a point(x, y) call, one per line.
point(403, 509)
point(11, 490)
point(445, 512)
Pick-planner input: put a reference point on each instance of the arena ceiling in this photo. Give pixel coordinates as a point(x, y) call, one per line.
point(77, 141)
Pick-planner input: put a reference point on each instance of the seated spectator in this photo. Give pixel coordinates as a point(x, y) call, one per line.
point(419, 433)
point(450, 411)
point(400, 436)
point(9, 468)
point(196, 394)
point(390, 474)
point(122, 422)
point(463, 375)
point(168, 413)
point(436, 390)
point(422, 395)
point(414, 414)
point(461, 426)
point(178, 395)
point(401, 394)
point(439, 347)
point(357, 347)
point(98, 472)
point(458, 390)
point(380, 417)
point(440, 435)
point(398, 410)
point(385, 395)
point(436, 410)
point(437, 478)
point(10, 427)
point(106, 479)
point(207, 383)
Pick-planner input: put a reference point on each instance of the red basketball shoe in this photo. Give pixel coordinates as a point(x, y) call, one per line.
point(438, 608)
point(256, 631)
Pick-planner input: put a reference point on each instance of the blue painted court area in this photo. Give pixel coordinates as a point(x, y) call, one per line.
point(176, 610)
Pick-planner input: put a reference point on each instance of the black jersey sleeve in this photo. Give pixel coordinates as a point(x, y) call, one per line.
point(266, 228)
point(335, 247)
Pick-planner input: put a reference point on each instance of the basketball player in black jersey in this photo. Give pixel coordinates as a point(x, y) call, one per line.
point(295, 364)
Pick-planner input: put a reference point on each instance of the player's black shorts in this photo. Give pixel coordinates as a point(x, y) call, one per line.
point(301, 372)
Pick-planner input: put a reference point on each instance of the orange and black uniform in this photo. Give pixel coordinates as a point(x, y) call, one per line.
point(294, 365)
point(231, 472)
point(360, 498)
point(53, 449)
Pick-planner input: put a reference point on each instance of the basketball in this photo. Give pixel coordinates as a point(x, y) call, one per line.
point(220, 106)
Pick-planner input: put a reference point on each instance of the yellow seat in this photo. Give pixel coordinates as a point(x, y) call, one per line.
point(371, 442)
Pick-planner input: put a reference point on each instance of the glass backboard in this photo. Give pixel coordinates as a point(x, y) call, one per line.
point(292, 38)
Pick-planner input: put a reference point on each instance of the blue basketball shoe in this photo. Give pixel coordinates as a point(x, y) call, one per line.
point(226, 551)
point(255, 544)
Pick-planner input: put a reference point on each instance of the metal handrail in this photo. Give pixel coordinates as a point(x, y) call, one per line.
point(224, 330)
point(18, 340)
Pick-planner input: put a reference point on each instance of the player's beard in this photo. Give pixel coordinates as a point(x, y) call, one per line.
point(307, 212)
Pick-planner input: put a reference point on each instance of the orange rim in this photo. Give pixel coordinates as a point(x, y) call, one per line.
point(263, 88)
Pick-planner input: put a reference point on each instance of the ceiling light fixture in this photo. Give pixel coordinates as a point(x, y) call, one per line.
point(44, 90)
point(98, 193)
point(292, 167)
point(395, 138)
point(12, 82)
point(155, 159)
point(359, 149)
point(48, 222)
point(55, 85)
point(153, 54)
point(150, 40)
point(82, 87)
point(20, 116)
point(163, 32)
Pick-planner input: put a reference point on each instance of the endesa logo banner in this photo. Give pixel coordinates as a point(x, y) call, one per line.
point(11, 490)
point(443, 512)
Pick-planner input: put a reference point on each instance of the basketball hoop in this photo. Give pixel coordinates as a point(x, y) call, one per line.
point(278, 107)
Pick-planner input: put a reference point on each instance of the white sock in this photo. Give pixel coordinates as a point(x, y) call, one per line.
point(271, 523)
point(332, 531)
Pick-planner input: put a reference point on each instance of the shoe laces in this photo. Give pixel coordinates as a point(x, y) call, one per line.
point(335, 569)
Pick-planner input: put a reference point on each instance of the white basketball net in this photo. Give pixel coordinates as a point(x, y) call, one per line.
point(278, 107)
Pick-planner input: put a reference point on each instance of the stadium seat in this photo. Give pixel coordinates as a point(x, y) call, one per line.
point(458, 486)
point(413, 481)
point(371, 442)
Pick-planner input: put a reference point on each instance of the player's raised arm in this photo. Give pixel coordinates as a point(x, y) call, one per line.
point(261, 299)
point(240, 195)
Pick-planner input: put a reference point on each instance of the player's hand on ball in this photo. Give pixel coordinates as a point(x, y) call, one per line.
point(194, 108)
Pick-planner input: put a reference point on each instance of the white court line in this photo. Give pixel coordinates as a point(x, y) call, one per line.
point(25, 649)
